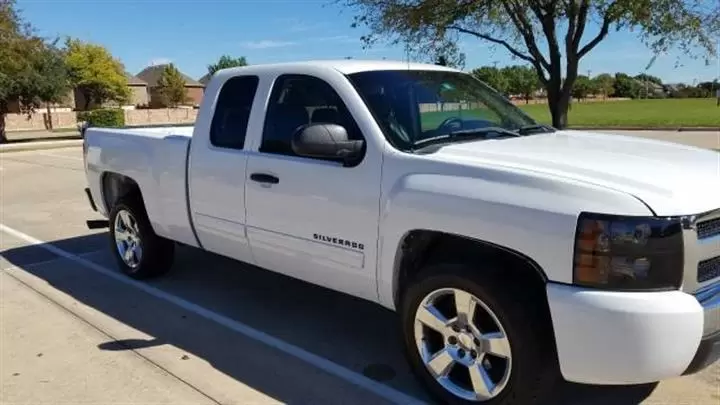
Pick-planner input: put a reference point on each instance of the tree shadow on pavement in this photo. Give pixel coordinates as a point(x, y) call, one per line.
point(356, 334)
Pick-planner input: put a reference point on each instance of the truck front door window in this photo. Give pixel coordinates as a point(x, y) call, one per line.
point(298, 100)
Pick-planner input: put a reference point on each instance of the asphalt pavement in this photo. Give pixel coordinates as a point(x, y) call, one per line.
point(73, 329)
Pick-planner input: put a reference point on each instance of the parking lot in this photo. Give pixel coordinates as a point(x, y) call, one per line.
point(213, 331)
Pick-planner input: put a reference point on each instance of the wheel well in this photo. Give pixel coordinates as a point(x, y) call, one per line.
point(116, 186)
point(421, 247)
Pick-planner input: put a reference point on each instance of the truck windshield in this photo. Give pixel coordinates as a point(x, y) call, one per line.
point(416, 108)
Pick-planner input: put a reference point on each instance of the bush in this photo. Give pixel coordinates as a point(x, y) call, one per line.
point(109, 117)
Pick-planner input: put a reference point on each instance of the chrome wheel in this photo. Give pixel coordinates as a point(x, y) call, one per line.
point(127, 238)
point(463, 344)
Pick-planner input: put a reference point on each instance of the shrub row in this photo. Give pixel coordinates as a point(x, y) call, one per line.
point(108, 117)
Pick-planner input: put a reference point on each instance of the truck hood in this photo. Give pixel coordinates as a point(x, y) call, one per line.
point(672, 179)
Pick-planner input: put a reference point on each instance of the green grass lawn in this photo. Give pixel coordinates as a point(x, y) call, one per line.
point(667, 113)
point(637, 113)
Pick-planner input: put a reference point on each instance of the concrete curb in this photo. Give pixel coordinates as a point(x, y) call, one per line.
point(39, 145)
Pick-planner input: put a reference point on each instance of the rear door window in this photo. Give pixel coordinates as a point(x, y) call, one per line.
point(232, 112)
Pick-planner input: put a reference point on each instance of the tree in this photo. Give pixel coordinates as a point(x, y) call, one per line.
point(548, 34)
point(604, 83)
point(448, 56)
point(685, 91)
point(626, 86)
point(650, 78)
point(172, 86)
point(583, 87)
point(708, 88)
point(95, 73)
point(493, 77)
point(521, 80)
point(226, 62)
point(54, 80)
point(31, 70)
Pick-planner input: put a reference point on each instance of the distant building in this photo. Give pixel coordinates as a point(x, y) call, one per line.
point(205, 79)
point(151, 75)
point(651, 89)
point(75, 100)
point(66, 104)
point(138, 91)
point(138, 96)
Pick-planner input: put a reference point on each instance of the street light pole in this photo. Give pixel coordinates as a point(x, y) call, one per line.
point(717, 80)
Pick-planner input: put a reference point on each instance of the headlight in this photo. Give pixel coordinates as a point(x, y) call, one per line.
point(628, 253)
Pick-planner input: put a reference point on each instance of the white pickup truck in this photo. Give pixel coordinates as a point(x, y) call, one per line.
point(516, 255)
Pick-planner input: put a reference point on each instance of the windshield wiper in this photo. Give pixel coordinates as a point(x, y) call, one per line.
point(482, 131)
point(465, 134)
point(536, 128)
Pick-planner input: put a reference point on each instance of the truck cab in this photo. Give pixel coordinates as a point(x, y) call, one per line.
point(516, 254)
point(313, 217)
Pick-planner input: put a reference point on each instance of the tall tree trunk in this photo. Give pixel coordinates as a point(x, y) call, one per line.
point(558, 100)
point(49, 117)
point(87, 99)
point(559, 104)
point(3, 137)
point(559, 111)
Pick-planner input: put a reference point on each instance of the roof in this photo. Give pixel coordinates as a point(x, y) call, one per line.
point(134, 81)
point(151, 75)
point(205, 79)
point(346, 66)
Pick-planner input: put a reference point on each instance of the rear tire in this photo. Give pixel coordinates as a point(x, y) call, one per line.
point(508, 339)
point(139, 252)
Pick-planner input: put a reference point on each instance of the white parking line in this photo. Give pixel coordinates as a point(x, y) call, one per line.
point(322, 363)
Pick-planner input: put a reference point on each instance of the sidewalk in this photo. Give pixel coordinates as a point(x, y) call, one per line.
point(50, 356)
point(26, 136)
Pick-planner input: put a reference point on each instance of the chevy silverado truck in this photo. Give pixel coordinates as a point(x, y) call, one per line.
point(515, 254)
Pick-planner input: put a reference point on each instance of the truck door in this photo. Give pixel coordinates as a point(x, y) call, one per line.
point(216, 171)
point(313, 219)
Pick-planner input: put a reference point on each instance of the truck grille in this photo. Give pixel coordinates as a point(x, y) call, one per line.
point(701, 238)
point(708, 269)
point(708, 229)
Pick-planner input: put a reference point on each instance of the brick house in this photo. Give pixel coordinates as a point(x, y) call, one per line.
point(138, 91)
point(151, 75)
point(66, 104)
point(205, 79)
point(138, 95)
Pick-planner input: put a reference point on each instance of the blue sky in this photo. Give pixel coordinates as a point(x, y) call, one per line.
point(194, 33)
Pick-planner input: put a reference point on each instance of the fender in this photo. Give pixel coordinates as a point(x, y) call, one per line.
point(523, 212)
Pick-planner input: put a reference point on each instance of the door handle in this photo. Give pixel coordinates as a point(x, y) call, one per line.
point(264, 178)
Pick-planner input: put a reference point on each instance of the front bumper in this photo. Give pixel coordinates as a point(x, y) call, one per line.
point(606, 337)
point(709, 350)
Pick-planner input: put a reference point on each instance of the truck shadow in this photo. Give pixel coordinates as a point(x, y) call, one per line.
point(356, 334)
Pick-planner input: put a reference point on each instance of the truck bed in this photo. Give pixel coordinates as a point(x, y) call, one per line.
point(156, 158)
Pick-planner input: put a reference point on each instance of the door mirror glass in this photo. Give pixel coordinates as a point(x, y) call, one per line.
point(327, 141)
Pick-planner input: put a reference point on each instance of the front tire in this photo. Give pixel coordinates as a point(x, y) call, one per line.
point(472, 338)
point(138, 251)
